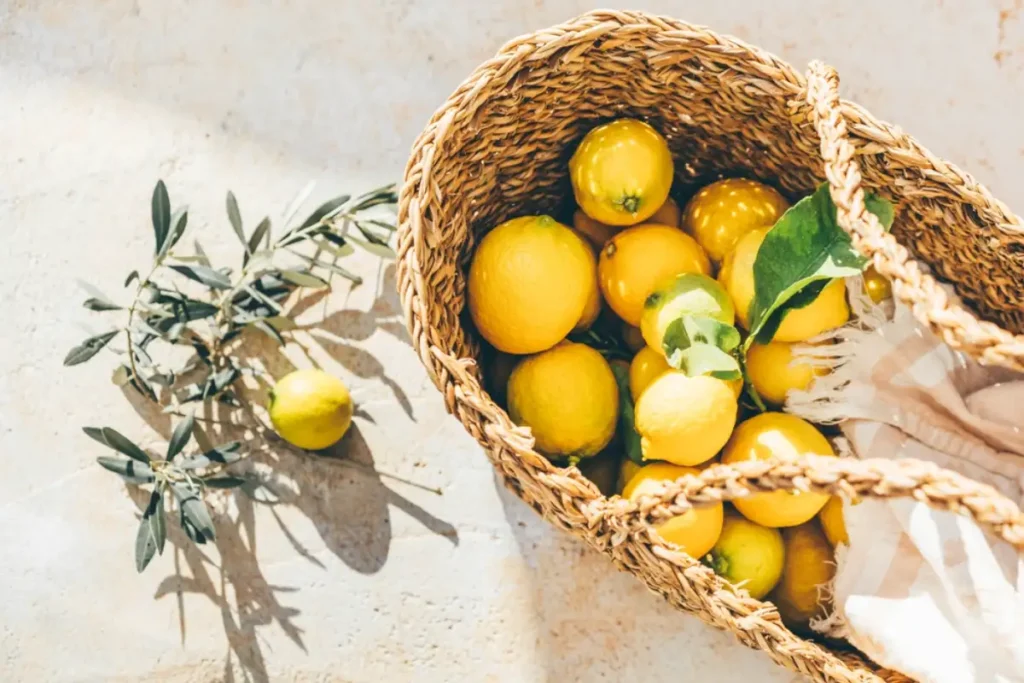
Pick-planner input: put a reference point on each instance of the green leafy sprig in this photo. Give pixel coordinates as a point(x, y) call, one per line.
point(180, 480)
point(185, 300)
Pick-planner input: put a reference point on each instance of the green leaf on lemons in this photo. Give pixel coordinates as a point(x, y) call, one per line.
point(800, 255)
point(693, 329)
point(706, 359)
point(699, 345)
point(627, 418)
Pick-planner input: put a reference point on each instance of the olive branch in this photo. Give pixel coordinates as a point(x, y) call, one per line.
point(185, 301)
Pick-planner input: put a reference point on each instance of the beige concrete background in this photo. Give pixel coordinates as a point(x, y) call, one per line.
point(347, 576)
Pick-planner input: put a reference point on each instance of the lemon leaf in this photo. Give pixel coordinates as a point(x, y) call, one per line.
point(800, 255)
point(627, 418)
point(706, 359)
point(688, 330)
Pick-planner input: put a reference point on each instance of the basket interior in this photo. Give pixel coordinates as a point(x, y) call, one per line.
point(724, 113)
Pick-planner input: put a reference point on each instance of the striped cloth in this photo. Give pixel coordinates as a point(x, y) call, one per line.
point(923, 592)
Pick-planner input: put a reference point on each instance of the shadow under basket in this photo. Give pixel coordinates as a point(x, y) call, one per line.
point(500, 147)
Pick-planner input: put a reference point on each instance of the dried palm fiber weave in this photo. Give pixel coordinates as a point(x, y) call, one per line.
point(499, 147)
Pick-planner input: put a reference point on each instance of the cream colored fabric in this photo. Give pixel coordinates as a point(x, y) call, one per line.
point(923, 592)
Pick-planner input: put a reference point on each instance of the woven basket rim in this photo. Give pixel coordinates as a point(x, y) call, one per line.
point(622, 521)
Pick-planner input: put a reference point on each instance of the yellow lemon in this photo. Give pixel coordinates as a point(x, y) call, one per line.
point(685, 420)
point(694, 531)
point(688, 294)
point(832, 522)
point(310, 409)
point(627, 470)
point(748, 555)
point(622, 172)
point(633, 337)
point(596, 232)
point(877, 285)
point(809, 566)
point(529, 283)
point(569, 399)
point(723, 212)
point(828, 311)
point(667, 214)
point(638, 259)
point(782, 436)
point(774, 371)
point(647, 366)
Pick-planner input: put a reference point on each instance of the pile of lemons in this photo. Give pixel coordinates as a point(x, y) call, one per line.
point(535, 284)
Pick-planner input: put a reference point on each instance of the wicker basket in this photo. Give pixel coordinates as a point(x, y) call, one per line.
point(499, 147)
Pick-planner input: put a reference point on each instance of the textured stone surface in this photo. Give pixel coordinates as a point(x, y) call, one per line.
point(350, 576)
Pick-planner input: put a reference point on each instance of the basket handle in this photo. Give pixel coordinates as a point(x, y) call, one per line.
point(872, 478)
point(956, 326)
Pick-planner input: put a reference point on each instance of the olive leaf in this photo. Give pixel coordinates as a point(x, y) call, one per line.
point(145, 545)
point(375, 248)
point(235, 218)
point(224, 454)
point(114, 439)
point(132, 471)
point(89, 348)
point(800, 255)
point(627, 418)
point(207, 276)
point(180, 436)
point(97, 304)
point(224, 482)
point(303, 279)
point(269, 330)
point(193, 509)
point(157, 520)
point(324, 209)
point(160, 207)
point(262, 230)
point(178, 222)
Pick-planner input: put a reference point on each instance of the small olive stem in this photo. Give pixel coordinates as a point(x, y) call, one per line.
point(143, 283)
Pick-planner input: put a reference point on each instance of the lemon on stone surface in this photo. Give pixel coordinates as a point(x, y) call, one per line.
point(724, 211)
point(621, 172)
point(828, 311)
point(647, 366)
point(530, 282)
point(783, 436)
point(748, 555)
point(639, 259)
point(685, 420)
point(832, 522)
point(569, 399)
point(694, 531)
point(809, 566)
point(311, 409)
point(774, 371)
point(694, 294)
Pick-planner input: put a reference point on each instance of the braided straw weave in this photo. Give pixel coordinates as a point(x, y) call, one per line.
point(499, 147)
